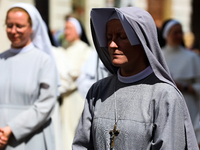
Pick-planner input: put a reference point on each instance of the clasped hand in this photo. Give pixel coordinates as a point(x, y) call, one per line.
point(4, 136)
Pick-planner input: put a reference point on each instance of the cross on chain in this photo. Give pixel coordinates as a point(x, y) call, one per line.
point(113, 133)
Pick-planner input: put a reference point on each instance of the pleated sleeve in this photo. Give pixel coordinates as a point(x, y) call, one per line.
point(172, 124)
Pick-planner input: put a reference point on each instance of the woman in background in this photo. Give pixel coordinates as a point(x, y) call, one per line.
point(184, 66)
point(70, 62)
point(28, 83)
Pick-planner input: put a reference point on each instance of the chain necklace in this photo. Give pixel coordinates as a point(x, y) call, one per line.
point(115, 132)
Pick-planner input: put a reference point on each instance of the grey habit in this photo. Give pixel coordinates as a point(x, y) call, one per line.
point(28, 89)
point(151, 111)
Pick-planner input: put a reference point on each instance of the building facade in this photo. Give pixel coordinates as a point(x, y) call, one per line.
point(58, 9)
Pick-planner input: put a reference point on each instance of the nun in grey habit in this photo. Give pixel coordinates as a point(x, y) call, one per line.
point(28, 83)
point(138, 107)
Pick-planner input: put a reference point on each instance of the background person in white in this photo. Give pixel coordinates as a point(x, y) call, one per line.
point(69, 62)
point(92, 71)
point(184, 66)
point(28, 83)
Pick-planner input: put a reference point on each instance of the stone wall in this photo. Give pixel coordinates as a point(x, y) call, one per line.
point(181, 10)
point(58, 10)
point(178, 9)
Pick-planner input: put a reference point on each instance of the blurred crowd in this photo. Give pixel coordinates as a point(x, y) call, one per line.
point(61, 74)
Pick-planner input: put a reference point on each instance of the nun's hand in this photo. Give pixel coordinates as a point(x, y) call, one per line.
point(3, 139)
point(7, 131)
point(4, 136)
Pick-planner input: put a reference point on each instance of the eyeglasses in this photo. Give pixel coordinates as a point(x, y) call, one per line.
point(18, 27)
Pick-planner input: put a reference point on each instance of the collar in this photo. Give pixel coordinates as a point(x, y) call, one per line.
point(143, 74)
point(22, 50)
point(173, 48)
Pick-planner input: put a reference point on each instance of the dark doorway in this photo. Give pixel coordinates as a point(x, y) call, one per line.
point(43, 8)
point(195, 23)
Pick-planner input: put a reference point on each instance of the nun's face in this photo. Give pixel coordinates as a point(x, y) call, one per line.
point(131, 59)
point(175, 35)
point(18, 29)
point(71, 34)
